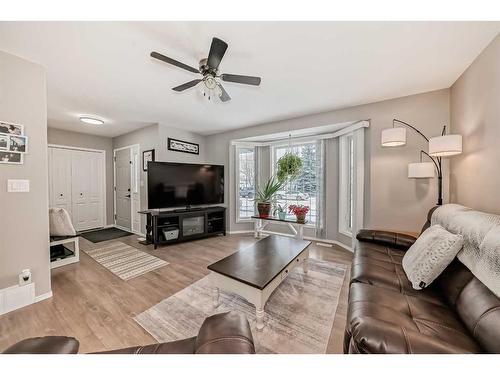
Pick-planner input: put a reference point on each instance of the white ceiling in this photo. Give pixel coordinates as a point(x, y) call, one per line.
point(104, 68)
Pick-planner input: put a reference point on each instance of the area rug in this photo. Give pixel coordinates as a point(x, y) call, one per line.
point(106, 234)
point(125, 261)
point(298, 316)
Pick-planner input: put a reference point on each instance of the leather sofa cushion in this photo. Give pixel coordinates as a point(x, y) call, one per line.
point(379, 252)
point(185, 346)
point(372, 336)
point(45, 345)
point(428, 316)
point(225, 333)
point(386, 238)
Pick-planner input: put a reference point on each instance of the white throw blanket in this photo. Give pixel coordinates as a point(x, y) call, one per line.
point(481, 233)
point(60, 223)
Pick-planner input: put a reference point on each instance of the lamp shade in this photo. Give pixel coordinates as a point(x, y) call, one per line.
point(445, 145)
point(421, 170)
point(393, 137)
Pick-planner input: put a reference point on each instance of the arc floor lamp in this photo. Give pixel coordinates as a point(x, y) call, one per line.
point(439, 147)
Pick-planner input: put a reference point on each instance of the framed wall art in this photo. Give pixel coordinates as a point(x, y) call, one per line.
point(183, 146)
point(147, 156)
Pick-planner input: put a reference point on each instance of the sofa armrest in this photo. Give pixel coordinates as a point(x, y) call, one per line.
point(372, 336)
point(45, 345)
point(226, 333)
point(386, 238)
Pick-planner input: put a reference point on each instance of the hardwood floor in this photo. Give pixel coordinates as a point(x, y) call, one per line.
point(97, 307)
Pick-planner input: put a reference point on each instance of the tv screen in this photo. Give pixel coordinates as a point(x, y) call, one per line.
point(179, 184)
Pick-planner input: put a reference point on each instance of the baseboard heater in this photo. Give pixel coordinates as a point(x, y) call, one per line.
point(15, 297)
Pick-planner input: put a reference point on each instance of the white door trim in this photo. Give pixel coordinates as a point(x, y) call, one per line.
point(136, 172)
point(104, 169)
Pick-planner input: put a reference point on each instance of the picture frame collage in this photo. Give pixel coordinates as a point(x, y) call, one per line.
point(13, 143)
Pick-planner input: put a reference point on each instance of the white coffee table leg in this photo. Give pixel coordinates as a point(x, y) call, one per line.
point(305, 265)
point(256, 226)
point(259, 313)
point(216, 298)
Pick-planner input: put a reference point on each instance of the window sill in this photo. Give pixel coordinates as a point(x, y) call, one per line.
point(345, 233)
point(244, 221)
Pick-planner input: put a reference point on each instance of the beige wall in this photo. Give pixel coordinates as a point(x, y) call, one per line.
point(74, 139)
point(24, 228)
point(392, 200)
point(155, 137)
point(475, 113)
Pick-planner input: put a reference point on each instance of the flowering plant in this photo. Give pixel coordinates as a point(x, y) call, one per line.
point(298, 210)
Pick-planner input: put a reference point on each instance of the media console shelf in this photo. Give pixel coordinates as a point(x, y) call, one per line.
point(166, 227)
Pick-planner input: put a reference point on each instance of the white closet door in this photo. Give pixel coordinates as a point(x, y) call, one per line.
point(86, 178)
point(95, 193)
point(60, 178)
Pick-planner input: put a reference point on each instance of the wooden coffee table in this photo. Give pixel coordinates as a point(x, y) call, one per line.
point(255, 272)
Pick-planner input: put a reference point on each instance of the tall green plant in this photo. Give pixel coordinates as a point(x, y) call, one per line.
point(267, 192)
point(289, 167)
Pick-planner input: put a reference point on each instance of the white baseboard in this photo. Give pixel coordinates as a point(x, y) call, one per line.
point(41, 297)
point(240, 231)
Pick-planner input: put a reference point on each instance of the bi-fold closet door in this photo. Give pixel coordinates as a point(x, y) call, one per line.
point(76, 184)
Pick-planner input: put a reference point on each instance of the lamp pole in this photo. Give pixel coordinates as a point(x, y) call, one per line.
point(435, 160)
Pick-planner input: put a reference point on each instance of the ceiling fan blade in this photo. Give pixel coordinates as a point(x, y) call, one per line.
point(224, 96)
point(187, 85)
point(217, 51)
point(178, 64)
point(247, 80)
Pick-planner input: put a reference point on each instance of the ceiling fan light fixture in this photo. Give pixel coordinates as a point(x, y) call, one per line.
point(91, 120)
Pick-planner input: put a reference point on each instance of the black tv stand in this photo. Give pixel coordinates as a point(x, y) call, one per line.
point(165, 227)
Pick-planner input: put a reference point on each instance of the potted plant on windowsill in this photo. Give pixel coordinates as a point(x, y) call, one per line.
point(265, 195)
point(299, 211)
point(281, 210)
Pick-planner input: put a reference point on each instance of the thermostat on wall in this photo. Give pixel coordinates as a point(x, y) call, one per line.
point(18, 186)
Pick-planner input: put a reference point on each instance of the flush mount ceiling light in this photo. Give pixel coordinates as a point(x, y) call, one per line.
point(91, 120)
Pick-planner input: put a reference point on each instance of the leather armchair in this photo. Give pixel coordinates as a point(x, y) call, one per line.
point(226, 333)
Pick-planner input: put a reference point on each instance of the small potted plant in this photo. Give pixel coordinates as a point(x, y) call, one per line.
point(265, 195)
point(281, 210)
point(299, 211)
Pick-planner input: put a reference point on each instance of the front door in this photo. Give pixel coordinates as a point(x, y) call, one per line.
point(122, 187)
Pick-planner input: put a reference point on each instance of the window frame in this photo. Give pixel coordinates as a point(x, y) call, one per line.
point(237, 149)
point(273, 159)
point(347, 175)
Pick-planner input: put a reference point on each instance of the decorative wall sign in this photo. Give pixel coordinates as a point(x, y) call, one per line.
point(13, 143)
point(183, 146)
point(147, 156)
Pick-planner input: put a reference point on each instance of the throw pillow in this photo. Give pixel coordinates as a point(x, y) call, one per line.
point(431, 253)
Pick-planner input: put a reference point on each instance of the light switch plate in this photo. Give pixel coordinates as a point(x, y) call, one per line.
point(18, 186)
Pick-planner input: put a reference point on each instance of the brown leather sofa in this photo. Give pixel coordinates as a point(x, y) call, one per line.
point(226, 333)
point(455, 314)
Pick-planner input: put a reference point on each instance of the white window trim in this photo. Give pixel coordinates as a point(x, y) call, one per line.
point(236, 158)
point(344, 167)
point(292, 143)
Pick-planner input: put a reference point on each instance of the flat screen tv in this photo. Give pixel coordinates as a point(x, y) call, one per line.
point(183, 185)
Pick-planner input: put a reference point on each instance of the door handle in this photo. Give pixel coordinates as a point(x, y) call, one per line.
point(127, 196)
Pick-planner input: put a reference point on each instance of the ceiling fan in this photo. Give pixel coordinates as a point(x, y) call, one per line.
point(209, 69)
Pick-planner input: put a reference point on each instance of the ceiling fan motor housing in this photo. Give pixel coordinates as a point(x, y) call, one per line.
point(205, 69)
